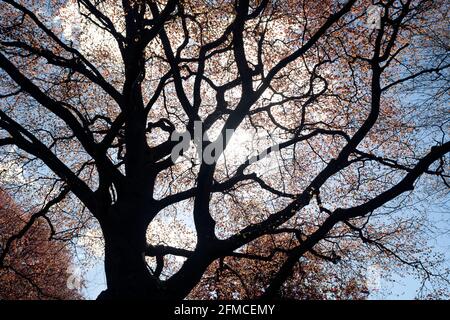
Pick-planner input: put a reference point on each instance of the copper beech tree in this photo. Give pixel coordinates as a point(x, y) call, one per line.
point(337, 122)
point(35, 268)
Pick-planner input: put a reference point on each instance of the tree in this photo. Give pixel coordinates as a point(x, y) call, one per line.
point(313, 277)
point(343, 116)
point(34, 268)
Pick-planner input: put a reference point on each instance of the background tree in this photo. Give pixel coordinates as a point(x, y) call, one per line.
point(32, 266)
point(334, 121)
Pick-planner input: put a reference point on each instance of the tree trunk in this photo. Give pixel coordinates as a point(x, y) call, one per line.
point(126, 271)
